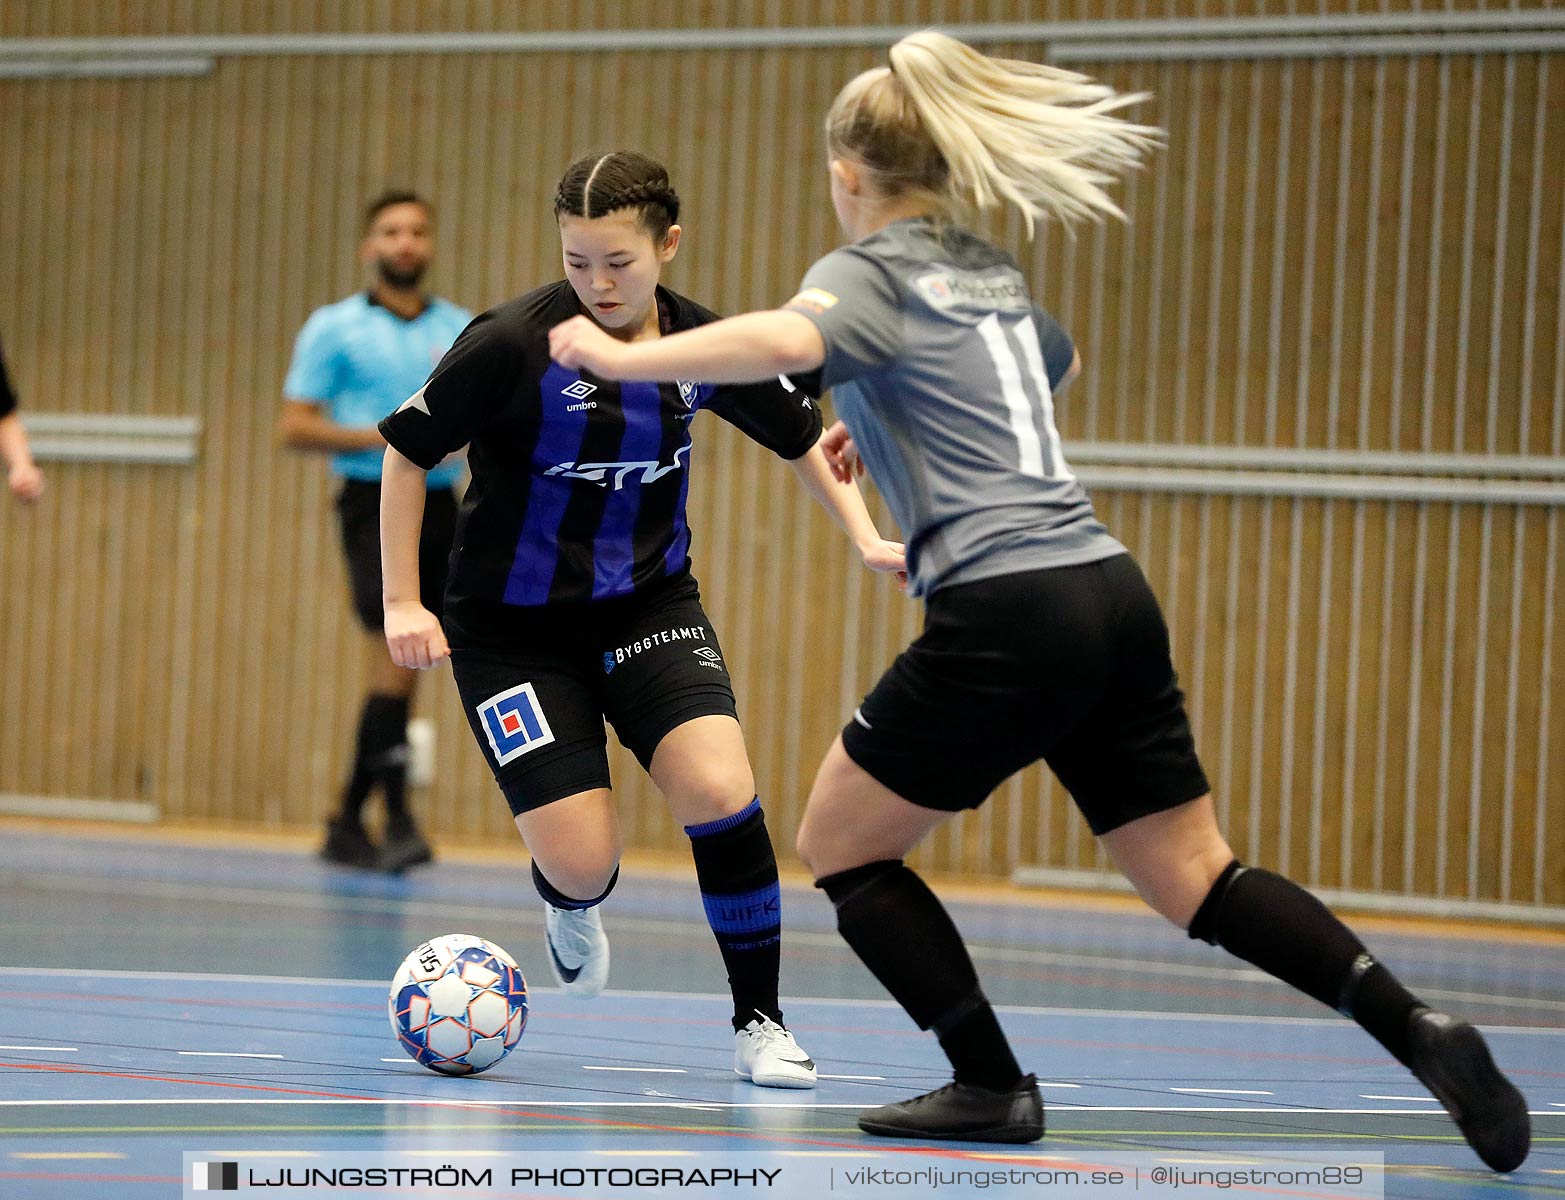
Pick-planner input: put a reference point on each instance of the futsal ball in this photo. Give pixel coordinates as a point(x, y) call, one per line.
point(458, 1004)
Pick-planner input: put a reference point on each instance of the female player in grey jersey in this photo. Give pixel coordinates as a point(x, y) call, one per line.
point(1042, 638)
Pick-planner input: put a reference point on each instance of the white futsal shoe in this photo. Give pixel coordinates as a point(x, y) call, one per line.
point(578, 949)
point(766, 1054)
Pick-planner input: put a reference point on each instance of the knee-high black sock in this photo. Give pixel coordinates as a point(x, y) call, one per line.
point(1276, 925)
point(905, 936)
point(737, 871)
point(380, 756)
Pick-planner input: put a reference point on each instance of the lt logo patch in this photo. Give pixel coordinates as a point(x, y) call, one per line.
point(514, 723)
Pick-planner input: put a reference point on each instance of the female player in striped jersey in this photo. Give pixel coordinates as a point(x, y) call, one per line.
point(570, 597)
point(1042, 638)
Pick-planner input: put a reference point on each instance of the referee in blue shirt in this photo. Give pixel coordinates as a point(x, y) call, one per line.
point(354, 362)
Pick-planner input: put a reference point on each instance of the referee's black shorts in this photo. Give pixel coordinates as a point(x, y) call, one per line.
point(1070, 665)
point(358, 510)
point(537, 698)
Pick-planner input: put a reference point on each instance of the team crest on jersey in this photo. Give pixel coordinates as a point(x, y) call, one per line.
point(514, 723)
point(608, 662)
point(689, 392)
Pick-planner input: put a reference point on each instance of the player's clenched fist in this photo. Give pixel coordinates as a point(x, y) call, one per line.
point(414, 636)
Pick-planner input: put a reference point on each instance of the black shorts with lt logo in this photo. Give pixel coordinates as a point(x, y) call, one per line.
point(537, 701)
point(1070, 665)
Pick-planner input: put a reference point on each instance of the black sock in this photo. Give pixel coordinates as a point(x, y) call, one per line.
point(1276, 925)
point(382, 745)
point(392, 765)
point(904, 935)
point(736, 869)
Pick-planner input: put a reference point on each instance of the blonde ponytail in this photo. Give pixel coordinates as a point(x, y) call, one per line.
point(972, 131)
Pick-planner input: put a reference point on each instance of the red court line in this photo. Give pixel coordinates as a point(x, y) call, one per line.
point(245, 1087)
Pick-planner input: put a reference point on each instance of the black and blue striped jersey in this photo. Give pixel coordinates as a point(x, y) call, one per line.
point(7, 396)
point(579, 483)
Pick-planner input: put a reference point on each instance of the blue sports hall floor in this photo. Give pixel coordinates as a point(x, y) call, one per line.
point(168, 993)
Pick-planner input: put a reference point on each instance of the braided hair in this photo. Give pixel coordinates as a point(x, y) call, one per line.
point(605, 183)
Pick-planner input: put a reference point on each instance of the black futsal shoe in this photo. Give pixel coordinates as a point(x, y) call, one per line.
point(1452, 1061)
point(348, 844)
point(962, 1112)
point(404, 847)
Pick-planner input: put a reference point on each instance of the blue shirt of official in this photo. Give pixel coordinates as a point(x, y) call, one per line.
point(360, 361)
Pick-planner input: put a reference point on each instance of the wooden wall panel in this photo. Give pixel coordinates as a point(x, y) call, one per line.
point(1338, 254)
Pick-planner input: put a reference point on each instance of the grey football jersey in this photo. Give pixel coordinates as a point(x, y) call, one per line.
point(942, 368)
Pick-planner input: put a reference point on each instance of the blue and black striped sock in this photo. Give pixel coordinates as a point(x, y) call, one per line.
point(737, 871)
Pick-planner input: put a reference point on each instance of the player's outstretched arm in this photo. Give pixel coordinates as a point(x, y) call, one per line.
point(743, 349)
point(413, 633)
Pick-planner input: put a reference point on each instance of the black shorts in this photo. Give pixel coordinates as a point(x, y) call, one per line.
point(648, 663)
point(358, 508)
point(1070, 665)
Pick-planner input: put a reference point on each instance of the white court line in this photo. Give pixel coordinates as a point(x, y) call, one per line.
point(1557, 1104)
point(878, 1078)
point(642, 1070)
point(850, 1002)
point(1424, 1099)
point(223, 1054)
point(1223, 1091)
point(800, 937)
point(51, 1049)
point(435, 1102)
point(1072, 1086)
